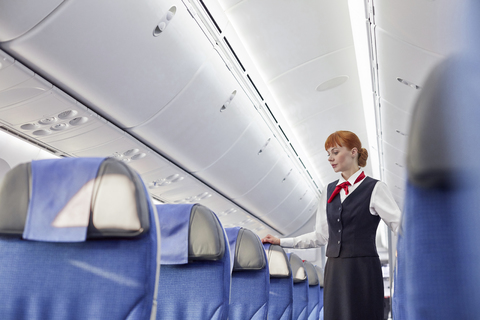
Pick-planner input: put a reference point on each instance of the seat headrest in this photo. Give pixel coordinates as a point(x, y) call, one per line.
point(247, 249)
point(312, 274)
point(117, 204)
point(444, 125)
point(206, 238)
point(298, 268)
point(320, 275)
point(278, 263)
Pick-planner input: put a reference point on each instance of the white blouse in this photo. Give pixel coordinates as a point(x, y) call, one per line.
point(381, 204)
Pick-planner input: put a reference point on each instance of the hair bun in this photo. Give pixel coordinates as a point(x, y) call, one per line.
point(362, 157)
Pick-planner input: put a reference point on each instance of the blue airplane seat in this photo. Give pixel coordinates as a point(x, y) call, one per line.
point(441, 222)
point(300, 287)
point(195, 278)
point(280, 305)
point(250, 277)
point(398, 300)
point(320, 282)
point(79, 239)
point(313, 291)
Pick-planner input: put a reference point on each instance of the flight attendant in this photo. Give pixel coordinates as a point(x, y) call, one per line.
point(348, 215)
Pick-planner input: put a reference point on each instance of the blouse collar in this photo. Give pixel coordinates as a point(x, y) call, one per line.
point(351, 179)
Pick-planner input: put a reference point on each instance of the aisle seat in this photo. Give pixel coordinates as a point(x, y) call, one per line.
point(280, 305)
point(79, 239)
point(300, 288)
point(250, 277)
point(313, 291)
point(195, 278)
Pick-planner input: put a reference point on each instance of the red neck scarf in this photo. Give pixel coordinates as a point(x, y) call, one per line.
point(344, 186)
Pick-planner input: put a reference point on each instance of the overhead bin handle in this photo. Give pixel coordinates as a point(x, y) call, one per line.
point(165, 21)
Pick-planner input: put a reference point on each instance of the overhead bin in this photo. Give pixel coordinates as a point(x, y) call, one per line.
point(31, 12)
point(255, 152)
point(283, 178)
point(413, 65)
point(120, 69)
point(203, 121)
point(395, 125)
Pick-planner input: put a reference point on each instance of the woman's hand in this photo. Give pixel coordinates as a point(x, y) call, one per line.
point(271, 239)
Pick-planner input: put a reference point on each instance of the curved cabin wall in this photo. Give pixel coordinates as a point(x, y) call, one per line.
point(170, 91)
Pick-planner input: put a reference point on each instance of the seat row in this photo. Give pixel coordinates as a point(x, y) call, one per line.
point(81, 239)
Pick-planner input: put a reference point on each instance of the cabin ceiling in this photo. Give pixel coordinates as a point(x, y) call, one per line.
point(180, 107)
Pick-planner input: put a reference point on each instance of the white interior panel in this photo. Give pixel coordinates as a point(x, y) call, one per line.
point(93, 133)
point(412, 64)
point(31, 12)
point(104, 66)
point(304, 217)
point(395, 125)
point(290, 209)
point(431, 25)
point(283, 179)
point(395, 160)
point(305, 79)
point(228, 173)
point(330, 122)
point(193, 129)
point(307, 25)
point(128, 150)
point(396, 184)
point(24, 91)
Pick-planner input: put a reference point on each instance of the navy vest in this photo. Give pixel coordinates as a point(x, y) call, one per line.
point(351, 226)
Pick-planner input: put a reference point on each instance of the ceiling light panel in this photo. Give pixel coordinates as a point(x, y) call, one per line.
point(307, 25)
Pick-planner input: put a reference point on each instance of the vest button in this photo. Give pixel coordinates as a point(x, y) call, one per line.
point(339, 230)
point(338, 220)
point(340, 209)
point(338, 242)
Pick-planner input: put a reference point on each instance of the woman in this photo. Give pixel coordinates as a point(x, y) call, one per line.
point(347, 219)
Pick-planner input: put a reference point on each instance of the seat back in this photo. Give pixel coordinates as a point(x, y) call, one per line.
point(320, 282)
point(280, 305)
point(439, 256)
point(195, 278)
point(250, 278)
point(300, 287)
point(313, 291)
point(79, 239)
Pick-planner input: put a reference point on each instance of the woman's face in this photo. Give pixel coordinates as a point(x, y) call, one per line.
point(341, 159)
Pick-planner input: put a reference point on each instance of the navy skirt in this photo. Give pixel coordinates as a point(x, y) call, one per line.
point(353, 289)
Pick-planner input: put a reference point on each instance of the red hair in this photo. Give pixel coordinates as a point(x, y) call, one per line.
point(349, 140)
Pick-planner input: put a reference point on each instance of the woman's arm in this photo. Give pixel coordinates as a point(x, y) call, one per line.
point(383, 204)
point(317, 238)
